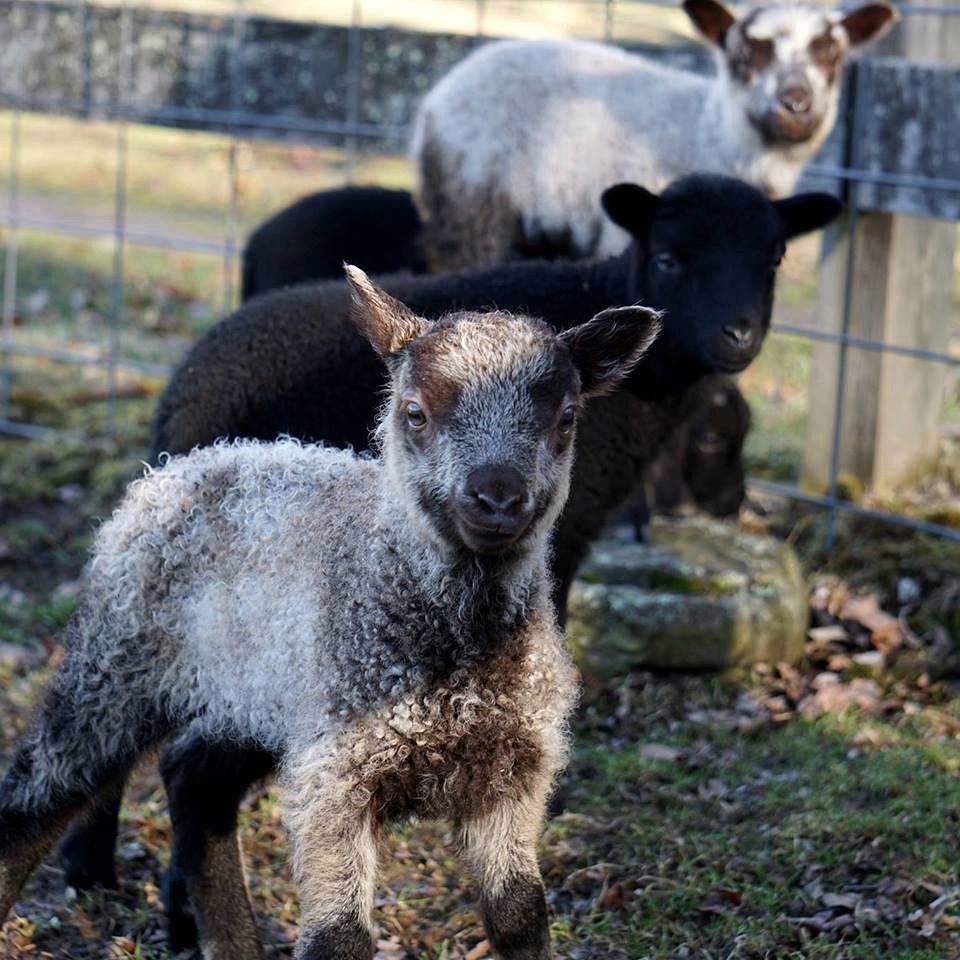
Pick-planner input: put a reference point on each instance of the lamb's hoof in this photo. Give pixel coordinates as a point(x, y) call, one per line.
point(181, 925)
point(85, 868)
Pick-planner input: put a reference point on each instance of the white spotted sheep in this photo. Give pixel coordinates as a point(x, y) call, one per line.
point(514, 146)
point(383, 626)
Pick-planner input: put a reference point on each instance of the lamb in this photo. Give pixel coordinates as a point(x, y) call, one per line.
point(291, 362)
point(514, 145)
point(376, 229)
point(383, 627)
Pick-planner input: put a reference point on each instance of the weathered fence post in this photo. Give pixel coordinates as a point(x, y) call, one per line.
point(901, 281)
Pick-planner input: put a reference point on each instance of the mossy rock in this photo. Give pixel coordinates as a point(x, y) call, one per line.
point(700, 596)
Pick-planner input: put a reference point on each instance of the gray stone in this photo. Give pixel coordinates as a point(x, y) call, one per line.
point(701, 595)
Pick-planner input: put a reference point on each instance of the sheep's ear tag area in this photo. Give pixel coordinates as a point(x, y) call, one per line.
point(869, 22)
point(387, 323)
point(712, 19)
point(630, 206)
point(607, 348)
point(807, 211)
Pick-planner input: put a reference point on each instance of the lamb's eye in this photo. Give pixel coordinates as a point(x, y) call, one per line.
point(667, 262)
point(568, 417)
point(415, 415)
point(777, 260)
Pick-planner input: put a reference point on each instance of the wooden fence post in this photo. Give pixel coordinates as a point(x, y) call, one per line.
point(902, 279)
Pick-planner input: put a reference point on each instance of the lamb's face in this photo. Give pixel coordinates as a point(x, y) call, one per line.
point(482, 423)
point(783, 60)
point(478, 430)
point(706, 253)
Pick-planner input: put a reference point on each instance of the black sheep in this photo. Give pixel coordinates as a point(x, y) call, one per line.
point(373, 228)
point(706, 252)
point(380, 231)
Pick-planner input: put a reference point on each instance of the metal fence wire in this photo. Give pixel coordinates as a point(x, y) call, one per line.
point(354, 133)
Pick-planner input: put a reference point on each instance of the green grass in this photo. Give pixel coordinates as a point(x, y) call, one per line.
point(23, 623)
point(785, 810)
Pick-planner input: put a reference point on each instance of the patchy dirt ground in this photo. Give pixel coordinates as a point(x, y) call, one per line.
point(807, 812)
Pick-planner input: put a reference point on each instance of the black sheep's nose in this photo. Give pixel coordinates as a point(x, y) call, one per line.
point(796, 98)
point(739, 334)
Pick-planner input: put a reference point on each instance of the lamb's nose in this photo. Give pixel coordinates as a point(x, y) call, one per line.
point(497, 491)
point(797, 98)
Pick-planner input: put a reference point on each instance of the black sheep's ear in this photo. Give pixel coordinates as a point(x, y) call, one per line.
point(607, 348)
point(384, 321)
point(630, 206)
point(869, 21)
point(807, 211)
point(711, 18)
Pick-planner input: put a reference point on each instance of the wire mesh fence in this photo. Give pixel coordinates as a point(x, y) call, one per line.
point(359, 118)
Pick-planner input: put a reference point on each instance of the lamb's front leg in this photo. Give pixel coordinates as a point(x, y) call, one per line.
point(500, 848)
point(334, 847)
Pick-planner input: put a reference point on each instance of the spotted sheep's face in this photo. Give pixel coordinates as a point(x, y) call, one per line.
point(784, 60)
point(479, 428)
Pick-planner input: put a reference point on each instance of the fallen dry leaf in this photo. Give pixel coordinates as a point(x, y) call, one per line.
point(842, 901)
point(613, 897)
point(870, 658)
point(884, 628)
point(660, 751)
point(831, 633)
point(720, 902)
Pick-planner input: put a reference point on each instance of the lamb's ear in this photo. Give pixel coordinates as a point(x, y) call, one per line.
point(606, 349)
point(384, 321)
point(870, 21)
point(711, 18)
point(807, 211)
point(630, 206)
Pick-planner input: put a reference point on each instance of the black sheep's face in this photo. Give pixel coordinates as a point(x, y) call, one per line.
point(478, 432)
point(702, 465)
point(706, 253)
point(713, 461)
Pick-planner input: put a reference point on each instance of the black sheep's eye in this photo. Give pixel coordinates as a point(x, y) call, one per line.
point(415, 415)
point(709, 442)
point(667, 262)
point(778, 259)
point(568, 417)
